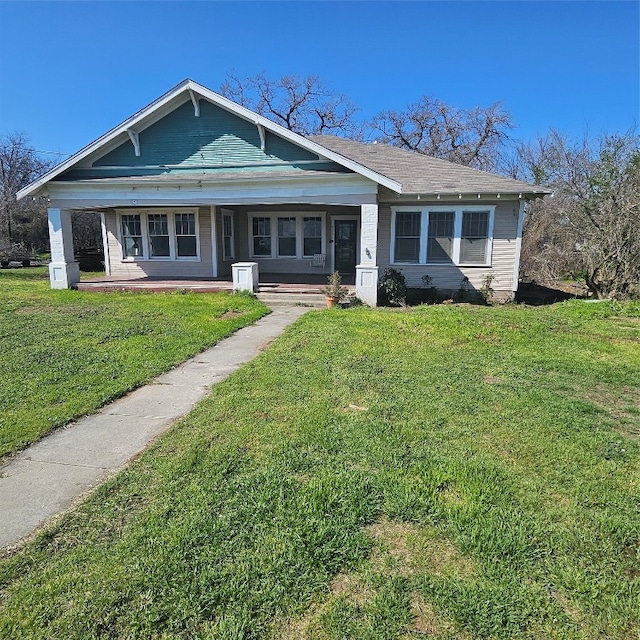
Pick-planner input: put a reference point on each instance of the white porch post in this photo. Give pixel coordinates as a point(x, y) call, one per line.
point(64, 271)
point(214, 242)
point(367, 270)
point(522, 210)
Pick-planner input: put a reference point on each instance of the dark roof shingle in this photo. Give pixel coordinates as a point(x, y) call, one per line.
point(423, 174)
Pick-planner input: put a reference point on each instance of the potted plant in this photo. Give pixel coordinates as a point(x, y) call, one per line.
point(333, 291)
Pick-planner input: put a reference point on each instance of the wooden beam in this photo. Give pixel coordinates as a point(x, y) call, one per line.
point(263, 139)
point(196, 103)
point(135, 141)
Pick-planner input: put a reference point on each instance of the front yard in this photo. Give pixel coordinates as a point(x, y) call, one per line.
point(444, 472)
point(66, 353)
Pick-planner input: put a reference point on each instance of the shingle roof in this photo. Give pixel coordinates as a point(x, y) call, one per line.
point(423, 174)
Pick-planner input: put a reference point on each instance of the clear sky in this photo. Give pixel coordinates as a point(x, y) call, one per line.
point(70, 71)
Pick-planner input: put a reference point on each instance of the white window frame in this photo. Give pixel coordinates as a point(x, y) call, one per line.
point(146, 244)
point(299, 216)
point(458, 210)
point(229, 215)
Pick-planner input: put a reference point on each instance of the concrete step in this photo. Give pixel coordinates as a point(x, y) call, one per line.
point(315, 300)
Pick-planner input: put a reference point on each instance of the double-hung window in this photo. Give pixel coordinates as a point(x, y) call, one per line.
point(159, 235)
point(186, 239)
point(474, 240)
point(291, 235)
point(132, 236)
point(311, 236)
point(262, 237)
point(287, 237)
point(460, 235)
point(407, 236)
point(440, 236)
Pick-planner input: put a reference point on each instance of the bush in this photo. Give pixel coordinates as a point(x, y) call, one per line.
point(393, 287)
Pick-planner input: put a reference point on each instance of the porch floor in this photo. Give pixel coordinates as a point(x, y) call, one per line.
point(270, 283)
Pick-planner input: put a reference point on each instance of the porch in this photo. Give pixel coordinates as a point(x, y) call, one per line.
point(273, 289)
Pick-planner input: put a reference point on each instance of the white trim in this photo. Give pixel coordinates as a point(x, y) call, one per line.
point(193, 88)
point(228, 213)
point(135, 141)
point(273, 228)
point(459, 211)
point(144, 229)
point(522, 210)
point(346, 189)
point(195, 102)
point(262, 134)
point(214, 241)
point(105, 244)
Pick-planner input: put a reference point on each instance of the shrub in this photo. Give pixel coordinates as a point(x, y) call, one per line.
point(393, 287)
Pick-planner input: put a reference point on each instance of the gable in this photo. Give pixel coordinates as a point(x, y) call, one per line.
point(216, 137)
point(225, 137)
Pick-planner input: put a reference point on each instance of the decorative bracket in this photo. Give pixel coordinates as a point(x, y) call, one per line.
point(196, 104)
point(135, 141)
point(263, 143)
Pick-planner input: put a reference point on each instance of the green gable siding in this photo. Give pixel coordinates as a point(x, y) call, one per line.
point(216, 137)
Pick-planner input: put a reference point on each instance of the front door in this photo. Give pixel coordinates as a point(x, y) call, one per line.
point(345, 246)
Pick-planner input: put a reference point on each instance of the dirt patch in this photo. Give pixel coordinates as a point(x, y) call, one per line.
point(399, 548)
point(621, 403)
point(534, 293)
point(426, 622)
point(571, 611)
point(230, 314)
point(406, 549)
point(309, 625)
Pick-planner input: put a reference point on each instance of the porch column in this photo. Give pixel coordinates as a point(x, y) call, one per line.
point(64, 271)
point(367, 270)
point(522, 211)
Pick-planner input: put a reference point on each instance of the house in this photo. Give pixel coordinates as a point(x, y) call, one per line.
point(195, 183)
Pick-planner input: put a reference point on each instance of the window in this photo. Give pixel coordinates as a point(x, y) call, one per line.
point(286, 237)
point(159, 235)
point(227, 237)
point(131, 236)
point(262, 237)
point(311, 236)
point(432, 235)
point(186, 244)
point(407, 237)
point(292, 235)
point(440, 236)
point(474, 239)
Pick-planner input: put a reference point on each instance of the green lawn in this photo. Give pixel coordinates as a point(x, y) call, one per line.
point(66, 353)
point(445, 472)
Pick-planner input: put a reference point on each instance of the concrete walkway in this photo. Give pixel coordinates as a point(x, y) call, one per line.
point(46, 478)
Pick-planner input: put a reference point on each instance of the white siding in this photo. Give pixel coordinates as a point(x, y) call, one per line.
point(449, 276)
point(161, 268)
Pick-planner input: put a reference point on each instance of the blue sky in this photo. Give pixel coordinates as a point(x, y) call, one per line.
point(69, 71)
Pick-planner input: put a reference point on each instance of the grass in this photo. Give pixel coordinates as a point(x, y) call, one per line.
point(445, 472)
point(65, 353)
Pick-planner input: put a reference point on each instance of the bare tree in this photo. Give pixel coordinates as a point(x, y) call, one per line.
point(591, 227)
point(472, 137)
point(23, 222)
point(302, 105)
